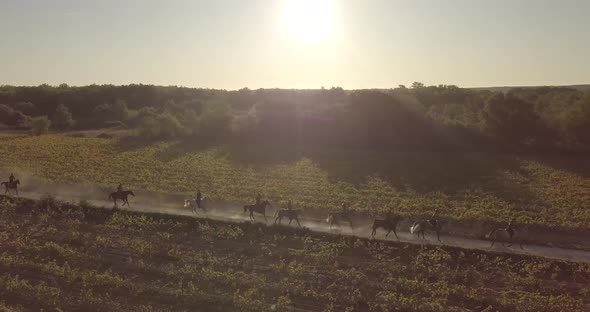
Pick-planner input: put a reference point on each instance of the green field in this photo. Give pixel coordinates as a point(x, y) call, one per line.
point(548, 193)
point(61, 257)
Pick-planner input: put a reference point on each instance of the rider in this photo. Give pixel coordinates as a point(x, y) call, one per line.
point(509, 228)
point(198, 199)
point(120, 188)
point(258, 199)
point(289, 205)
point(344, 208)
point(432, 219)
point(11, 179)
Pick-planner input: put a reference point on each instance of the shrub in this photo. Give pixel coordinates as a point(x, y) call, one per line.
point(40, 125)
point(62, 119)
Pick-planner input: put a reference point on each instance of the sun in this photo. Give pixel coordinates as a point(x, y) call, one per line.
point(308, 20)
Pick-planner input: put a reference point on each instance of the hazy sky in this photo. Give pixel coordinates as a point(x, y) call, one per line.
point(232, 44)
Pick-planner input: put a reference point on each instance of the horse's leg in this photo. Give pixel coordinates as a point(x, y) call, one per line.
point(16, 190)
point(395, 233)
point(374, 232)
point(297, 219)
point(290, 220)
point(438, 235)
point(387, 233)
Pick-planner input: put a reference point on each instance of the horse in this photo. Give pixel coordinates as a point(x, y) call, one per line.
point(192, 203)
point(11, 186)
point(291, 214)
point(335, 218)
point(424, 225)
point(388, 224)
point(122, 196)
point(261, 209)
point(503, 235)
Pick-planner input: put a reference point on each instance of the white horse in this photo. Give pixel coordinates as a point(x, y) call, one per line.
point(192, 203)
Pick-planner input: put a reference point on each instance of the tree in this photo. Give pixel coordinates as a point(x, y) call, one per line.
point(119, 110)
point(27, 108)
point(6, 115)
point(62, 118)
point(509, 118)
point(21, 120)
point(40, 125)
point(417, 85)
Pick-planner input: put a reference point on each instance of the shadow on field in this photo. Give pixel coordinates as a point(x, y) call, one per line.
point(577, 164)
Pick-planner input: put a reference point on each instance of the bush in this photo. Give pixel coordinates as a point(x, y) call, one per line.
point(21, 120)
point(119, 110)
point(155, 125)
point(40, 125)
point(62, 119)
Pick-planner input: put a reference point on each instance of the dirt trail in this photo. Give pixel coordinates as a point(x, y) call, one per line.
point(173, 204)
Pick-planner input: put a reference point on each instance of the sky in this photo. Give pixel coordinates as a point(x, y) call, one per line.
point(354, 44)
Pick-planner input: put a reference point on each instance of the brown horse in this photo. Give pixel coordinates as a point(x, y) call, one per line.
point(261, 209)
point(336, 218)
point(503, 235)
point(11, 186)
point(292, 214)
point(121, 196)
point(388, 224)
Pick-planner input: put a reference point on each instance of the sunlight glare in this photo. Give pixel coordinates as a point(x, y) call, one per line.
point(308, 20)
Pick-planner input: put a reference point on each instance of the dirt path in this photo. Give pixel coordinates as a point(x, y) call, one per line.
point(234, 213)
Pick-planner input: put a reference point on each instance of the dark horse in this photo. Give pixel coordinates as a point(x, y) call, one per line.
point(121, 196)
point(503, 235)
point(388, 224)
point(419, 227)
point(11, 186)
point(336, 218)
point(261, 209)
point(291, 214)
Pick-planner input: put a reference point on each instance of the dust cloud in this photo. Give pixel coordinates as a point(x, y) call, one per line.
point(146, 201)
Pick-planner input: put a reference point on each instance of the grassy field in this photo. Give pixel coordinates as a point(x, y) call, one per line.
point(59, 256)
point(549, 193)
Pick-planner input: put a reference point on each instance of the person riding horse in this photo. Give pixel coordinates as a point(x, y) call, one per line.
point(289, 205)
point(11, 179)
point(120, 188)
point(432, 219)
point(199, 198)
point(258, 200)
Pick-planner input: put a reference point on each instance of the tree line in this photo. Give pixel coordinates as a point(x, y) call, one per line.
point(419, 117)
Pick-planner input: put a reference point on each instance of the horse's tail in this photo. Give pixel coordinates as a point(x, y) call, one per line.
point(491, 233)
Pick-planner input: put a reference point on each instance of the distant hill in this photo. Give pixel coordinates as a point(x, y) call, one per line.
point(580, 87)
